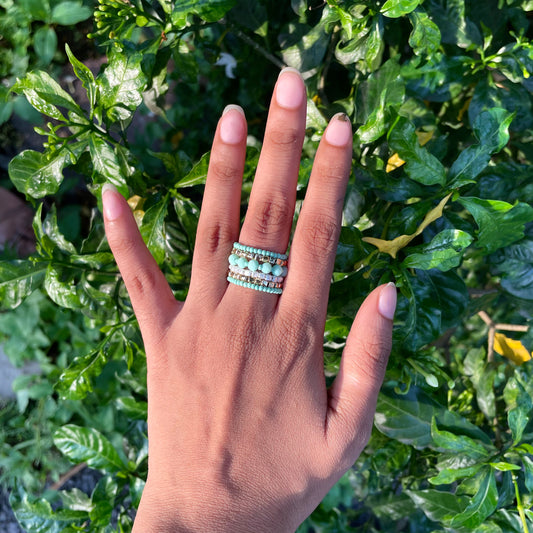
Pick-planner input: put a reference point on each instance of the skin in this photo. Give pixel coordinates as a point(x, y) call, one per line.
point(244, 436)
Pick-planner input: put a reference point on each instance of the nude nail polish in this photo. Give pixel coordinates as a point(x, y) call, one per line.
point(112, 206)
point(232, 126)
point(290, 89)
point(387, 301)
point(339, 130)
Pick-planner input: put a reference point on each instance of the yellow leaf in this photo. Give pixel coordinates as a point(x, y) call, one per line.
point(514, 350)
point(394, 162)
point(424, 136)
point(394, 246)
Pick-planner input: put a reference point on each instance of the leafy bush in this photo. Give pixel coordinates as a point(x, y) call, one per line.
point(28, 39)
point(440, 97)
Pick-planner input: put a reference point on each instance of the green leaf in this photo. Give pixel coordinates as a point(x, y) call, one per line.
point(85, 444)
point(76, 381)
point(482, 505)
point(105, 163)
point(500, 223)
point(434, 302)
point(35, 175)
point(153, 229)
point(37, 9)
point(515, 266)
point(491, 128)
point(121, 86)
point(438, 506)
point(132, 408)
point(197, 175)
point(444, 252)
point(518, 417)
point(408, 418)
point(44, 93)
point(425, 37)
point(18, 279)
point(528, 469)
point(38, 516)
point(398, 8)
point(84, 74)
point(45, 44)
point(457, 443)
point(309, 52)
point(449, 475)
point(103, 499)
point(420, 165)
point(64, 293)
point(208, 10)
point(69, 13)
point(375, 126)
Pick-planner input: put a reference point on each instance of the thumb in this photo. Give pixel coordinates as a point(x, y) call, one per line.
point(153, 302)
point(353, 395)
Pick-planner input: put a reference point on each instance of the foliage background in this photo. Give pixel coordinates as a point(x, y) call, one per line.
point(440, 95)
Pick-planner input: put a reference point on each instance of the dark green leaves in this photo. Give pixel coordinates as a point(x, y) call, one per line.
point(491, 129)
point(421, 165)
point(82, 444)
point(500, 223)
point(409, 417)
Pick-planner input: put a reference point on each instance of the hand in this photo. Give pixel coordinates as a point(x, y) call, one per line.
point(243, 434)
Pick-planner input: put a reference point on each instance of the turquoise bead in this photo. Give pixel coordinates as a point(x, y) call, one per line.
point(242, 262)
point(233, 259)
point(277, 270)
point(284, 271)
point(266, 268)
point(253, 265)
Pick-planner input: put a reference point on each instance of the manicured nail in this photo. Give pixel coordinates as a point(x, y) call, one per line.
point(387, 301)
point(339, 130)
point(111, 202)
point(290, 89)
point(232, 126)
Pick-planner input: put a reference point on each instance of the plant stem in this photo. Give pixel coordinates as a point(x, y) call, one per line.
point(519, 507)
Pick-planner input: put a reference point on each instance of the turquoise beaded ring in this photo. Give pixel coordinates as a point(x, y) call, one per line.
point(253, 268)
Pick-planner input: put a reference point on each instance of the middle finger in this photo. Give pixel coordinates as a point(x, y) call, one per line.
point(269, 218)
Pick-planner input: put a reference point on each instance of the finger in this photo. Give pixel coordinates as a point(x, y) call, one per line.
point(353, 395)
point(218, 227)
point(269, 218)
point(153, 302)
point(315, 240)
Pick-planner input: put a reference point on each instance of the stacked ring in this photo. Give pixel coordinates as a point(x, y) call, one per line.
point(257, 269)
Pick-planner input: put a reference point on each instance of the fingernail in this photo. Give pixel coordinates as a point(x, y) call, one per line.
point(290, 89)
point(110, 201)
point(387, 301)
point(339, 130)
point(232, 126)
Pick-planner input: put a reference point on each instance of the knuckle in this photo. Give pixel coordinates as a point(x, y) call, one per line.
point(216, 236)
point(141, 282)
point(223, 171)
point(285, 138)
point(333, 174)
point(273, 215)
point(372, 358)
point(320, 235)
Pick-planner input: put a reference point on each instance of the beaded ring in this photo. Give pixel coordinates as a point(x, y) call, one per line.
point(254, 268)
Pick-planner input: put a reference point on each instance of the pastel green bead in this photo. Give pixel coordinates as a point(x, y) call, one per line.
point(277, 270)
point(266, 268)
point(233, 259)
point(253, 265)
point(242, 262)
